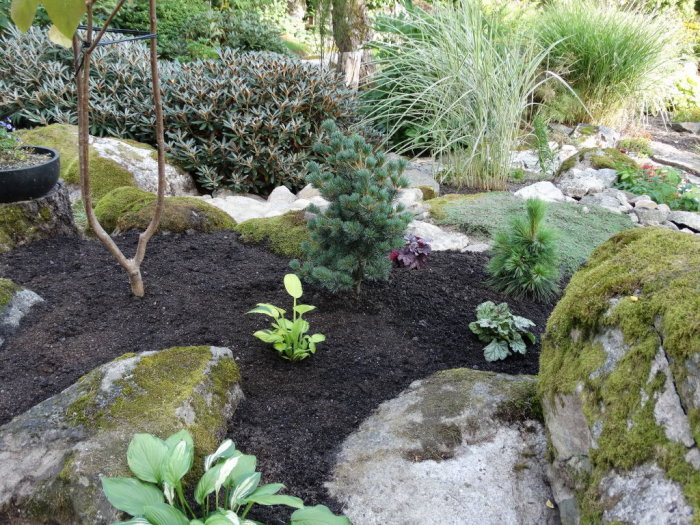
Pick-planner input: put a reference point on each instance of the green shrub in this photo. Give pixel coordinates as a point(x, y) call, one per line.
point(248, 32)
point(579, 231)
point(455, 82)
point(618, 60)
point(351, 241)
point(524, 261)
point(245, 122)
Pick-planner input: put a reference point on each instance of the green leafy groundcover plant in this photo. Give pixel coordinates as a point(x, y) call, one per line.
point(524, 256)
point(289, 337)
point(502, 330)
point(225, 493)
point(662, 184)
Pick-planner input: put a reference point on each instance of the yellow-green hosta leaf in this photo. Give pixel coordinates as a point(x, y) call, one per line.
point(59, 38)
point(145, 457)
point(293, 285)
point(65, 14)
point(22, 13)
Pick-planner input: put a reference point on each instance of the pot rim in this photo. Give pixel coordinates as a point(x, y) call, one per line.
point(54, 156)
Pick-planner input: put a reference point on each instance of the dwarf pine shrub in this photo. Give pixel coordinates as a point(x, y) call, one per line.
point(246, 121)
point(524, 261)
point(351, 241)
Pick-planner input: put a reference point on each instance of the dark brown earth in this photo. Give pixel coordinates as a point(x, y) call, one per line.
point(199, 287)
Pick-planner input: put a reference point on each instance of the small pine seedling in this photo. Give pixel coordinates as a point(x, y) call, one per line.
point(524, 261)
point(350, 242)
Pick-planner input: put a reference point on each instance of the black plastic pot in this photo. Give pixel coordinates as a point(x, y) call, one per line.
point(22, 184)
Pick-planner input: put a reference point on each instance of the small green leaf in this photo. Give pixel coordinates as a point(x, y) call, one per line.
point(145, 456)
point(22, 13)
point(275, 499)
point(178, 463)
point(223, 518)
point(133, 521)
point(244, 486)
point(270, 488)
point(225, 450)
point(213, 479)
point(302, 309)
point(496, 350)
point(267, 309)
point(317, 515)
point(293, 285)
point(59, 38)
point(246, 465)
point(182, 435)
point(268, 336)
point(164, 514)
point(65, 14)
point(317, 338)
point(131, 495)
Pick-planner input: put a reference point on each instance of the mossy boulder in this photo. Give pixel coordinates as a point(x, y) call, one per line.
point(597, 159)
point(128, 208)
point(52, 456)
point(28, 221)
point(620, 383)
point(113, 162)
point(283, 234)
point(15, 303)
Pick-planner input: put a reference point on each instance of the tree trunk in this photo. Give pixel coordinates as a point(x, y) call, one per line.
point(350, 31)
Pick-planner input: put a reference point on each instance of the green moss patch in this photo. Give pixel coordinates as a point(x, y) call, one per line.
point(105, 174)
point(283, 234)
point(129, 208)
point(17, 226)
point(7, 291)
point(578, 232)
point(598, 158)
point(646, 282)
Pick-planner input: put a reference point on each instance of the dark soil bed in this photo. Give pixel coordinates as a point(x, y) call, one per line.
point(295, 416)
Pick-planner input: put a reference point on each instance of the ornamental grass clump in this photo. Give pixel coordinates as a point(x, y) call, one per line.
point(524, 261)
point(455, 82)
point(350, 242)
point(618, 60)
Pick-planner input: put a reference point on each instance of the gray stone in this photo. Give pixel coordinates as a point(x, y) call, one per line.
point(239, 207)
point(670, 156)
point(644, 496)
point(421, 177)
point(140, 160)
point(11, 314)
point(687, 127)
point(308, 192)
point(281, 194)
point(589, 136)
point(578, 183)
point(440, 240)
point(543, 190)
point(610, 199)
point(528, 161)
point(36, 219)
point(688, 219)
point(477, 248)
point(649, 216)
point(52, 456)
point(442, 453)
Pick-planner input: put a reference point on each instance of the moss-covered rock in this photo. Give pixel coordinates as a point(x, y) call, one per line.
point(51, 457)
point(283, 234)
point(128, 208)
point(596, 158)
point(113, 162)
point(7, 291)
point(27, 221)
point(619, 380)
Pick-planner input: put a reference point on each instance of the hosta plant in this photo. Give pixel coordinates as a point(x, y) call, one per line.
point(289, 337)
point(414, 253)
point(504, 332)
point(224, 495)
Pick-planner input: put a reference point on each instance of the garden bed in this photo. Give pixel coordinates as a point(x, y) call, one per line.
point(198, 289)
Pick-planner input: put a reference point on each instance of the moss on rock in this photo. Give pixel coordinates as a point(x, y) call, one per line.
point(7, 291)
point(283, 234)
point(428, 192)
point(128, 208)
point(105, 174)
point(597, 158)
point(646, 284)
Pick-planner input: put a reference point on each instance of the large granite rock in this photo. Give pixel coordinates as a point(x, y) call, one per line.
point(459, 448)
point(579, 183)
point(113, 162)
point(440, 239)
point(591, 136)
point(26, 221)
point(52, 456)
point(620, 383)
point(688, 219)
point(15, 303)
point(543, 190)
point(670, 156)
